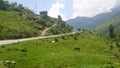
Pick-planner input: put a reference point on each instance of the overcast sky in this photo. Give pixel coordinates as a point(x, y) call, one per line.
point(69, 8)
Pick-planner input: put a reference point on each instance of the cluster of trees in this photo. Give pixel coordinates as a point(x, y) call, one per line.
point(14, 7)
point(112, 34)
point(6, 6)
point(115, 36)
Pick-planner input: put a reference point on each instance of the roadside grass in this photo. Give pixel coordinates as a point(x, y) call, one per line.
point(43, 53)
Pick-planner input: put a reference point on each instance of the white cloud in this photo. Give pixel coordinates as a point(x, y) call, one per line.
point(90, 8)
point(56, 10)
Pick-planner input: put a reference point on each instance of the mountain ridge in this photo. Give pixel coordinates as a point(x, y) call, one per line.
point(103, 28)
point(91, 23)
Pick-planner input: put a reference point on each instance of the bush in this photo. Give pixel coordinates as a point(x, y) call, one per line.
point(3, 46)
point(16, 49)
point(118, 45)
point(111, 47)
point(75, 37)
point(9, 49)
point(56, 40)
point(63, 37)
point(23, 50)
point(117, 54)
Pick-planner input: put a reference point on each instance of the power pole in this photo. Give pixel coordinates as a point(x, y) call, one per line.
point(35, 7)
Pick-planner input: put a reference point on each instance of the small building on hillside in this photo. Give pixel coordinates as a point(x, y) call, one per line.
point(44, 14)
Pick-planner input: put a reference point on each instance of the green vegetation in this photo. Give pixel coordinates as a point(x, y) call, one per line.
point(45, 22)
point(17, 21)
point(118, 35)
point(60, 28)
point(81, 50)
point(13, 26)
point(110, 28)
point(88, 51)
point(111, 31)
point(6, 6)
point(103, 28)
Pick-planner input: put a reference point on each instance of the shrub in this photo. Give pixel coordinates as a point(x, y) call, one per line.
point(118, 45)
point(23, 50)
point(117, 54)
point(16, 49)
point(111, 47)
point(56, 40)
point(3, 46)
point(63, 37)
point(75, 37)
point(9, 49)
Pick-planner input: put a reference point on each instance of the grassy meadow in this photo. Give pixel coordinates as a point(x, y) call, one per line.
point(93, 52)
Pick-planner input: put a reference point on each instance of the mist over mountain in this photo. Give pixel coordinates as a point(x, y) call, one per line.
point(91, 23)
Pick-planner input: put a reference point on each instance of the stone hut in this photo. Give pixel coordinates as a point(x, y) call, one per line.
point(44, 14)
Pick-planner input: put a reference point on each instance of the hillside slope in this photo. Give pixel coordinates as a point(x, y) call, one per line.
point(17, 21)
point(83, 50)
point(13, 26)
point(103, 28)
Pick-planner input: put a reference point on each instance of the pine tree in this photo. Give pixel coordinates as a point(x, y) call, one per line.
point(111, 31)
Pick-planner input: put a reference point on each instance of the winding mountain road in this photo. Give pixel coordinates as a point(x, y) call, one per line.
point(3, 42)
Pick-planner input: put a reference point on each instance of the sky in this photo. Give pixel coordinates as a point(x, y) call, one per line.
point(69, 8)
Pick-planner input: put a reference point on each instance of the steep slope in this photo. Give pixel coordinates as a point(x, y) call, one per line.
point(13, 26)
point(17, 21)
point(103, 28)
point(83, 50)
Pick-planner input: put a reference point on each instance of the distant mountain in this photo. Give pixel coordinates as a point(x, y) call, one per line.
point(103, 28)
point(79, 22)
point(90, 23)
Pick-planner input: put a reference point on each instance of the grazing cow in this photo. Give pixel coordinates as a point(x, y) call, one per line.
point(76, 48)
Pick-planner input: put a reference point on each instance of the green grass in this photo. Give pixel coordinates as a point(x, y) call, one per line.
point(94, 53)
point(60, 28)
point(13, 26)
